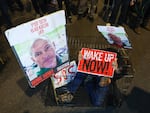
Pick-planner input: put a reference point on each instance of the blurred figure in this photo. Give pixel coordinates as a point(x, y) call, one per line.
point(41, 7)
point(5, 14)
point(36, 6)
point(142, 9)
point(124, 5)
point(92, 9)
point(107, 3)
point(67, 5)
point(18, 2)
point(87, 8)
point(82, 8)
point(106, 11)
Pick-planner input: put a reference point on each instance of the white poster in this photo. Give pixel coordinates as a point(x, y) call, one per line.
point(40, 46)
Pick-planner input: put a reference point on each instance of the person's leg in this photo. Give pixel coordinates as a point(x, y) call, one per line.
point(110, 8)
point(59, 4)
point(100, 95)
point(5, 14)
point(115, 11)
point(20, 4)
point(67, 5)
point(97, 93)
point(10, 5)
point(124, 10)
point(104, 8)
point(66, 93)
point(139, 19)
point(101, 13)
point(111, 2)
point(35, 6)
point(107, 10)
point(93, 8)
point(146, 18)
point(82, 8)
point(106, 2)
point(74, 85)
point(43, 6)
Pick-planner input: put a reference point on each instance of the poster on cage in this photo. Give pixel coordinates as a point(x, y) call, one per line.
point(40, 46)
point(115, 35)
point(65, 75)
point(97, 62)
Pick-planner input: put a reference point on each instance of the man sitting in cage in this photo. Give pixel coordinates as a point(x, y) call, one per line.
point(97, 87)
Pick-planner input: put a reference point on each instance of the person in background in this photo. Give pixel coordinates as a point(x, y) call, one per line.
point(5, 14)
point(87, 8)
point(40, 7)
point(106, 11)
point(36, 6)
point(18, 2)
point(82, 8)
point(67, 7)
point(142, 9)
point(124, 5)
point(92, 9)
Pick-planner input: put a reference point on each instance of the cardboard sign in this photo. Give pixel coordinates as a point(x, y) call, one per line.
point(40, 46)
point(97, 62)
point(65, 75)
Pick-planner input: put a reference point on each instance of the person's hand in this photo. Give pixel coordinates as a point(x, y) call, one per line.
point(115, 64)
point(105, 81)
point(132, 2)
point(80, 56)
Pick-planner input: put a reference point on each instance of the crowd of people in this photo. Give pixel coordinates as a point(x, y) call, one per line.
point(114, 12)
point(135, 12)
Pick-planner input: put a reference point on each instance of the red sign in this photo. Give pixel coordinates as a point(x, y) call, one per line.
point(41, 78)
point(97, 62)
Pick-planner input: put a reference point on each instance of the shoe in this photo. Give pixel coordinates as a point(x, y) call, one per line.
point(137, 30)
point(90, 18)
point(79, 17)
point(65, 98)
point(70, 19)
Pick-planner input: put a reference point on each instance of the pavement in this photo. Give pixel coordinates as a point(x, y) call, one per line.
point(17, 97)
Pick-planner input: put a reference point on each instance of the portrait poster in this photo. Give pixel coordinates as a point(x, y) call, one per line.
point(65, 75)
point(40, 46)
point(115, 36)
point(97, 62)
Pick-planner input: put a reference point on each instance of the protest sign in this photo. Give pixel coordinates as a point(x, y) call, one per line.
point(115, 35)
point(40, 46)
point(65, 75)
point(97, 62)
